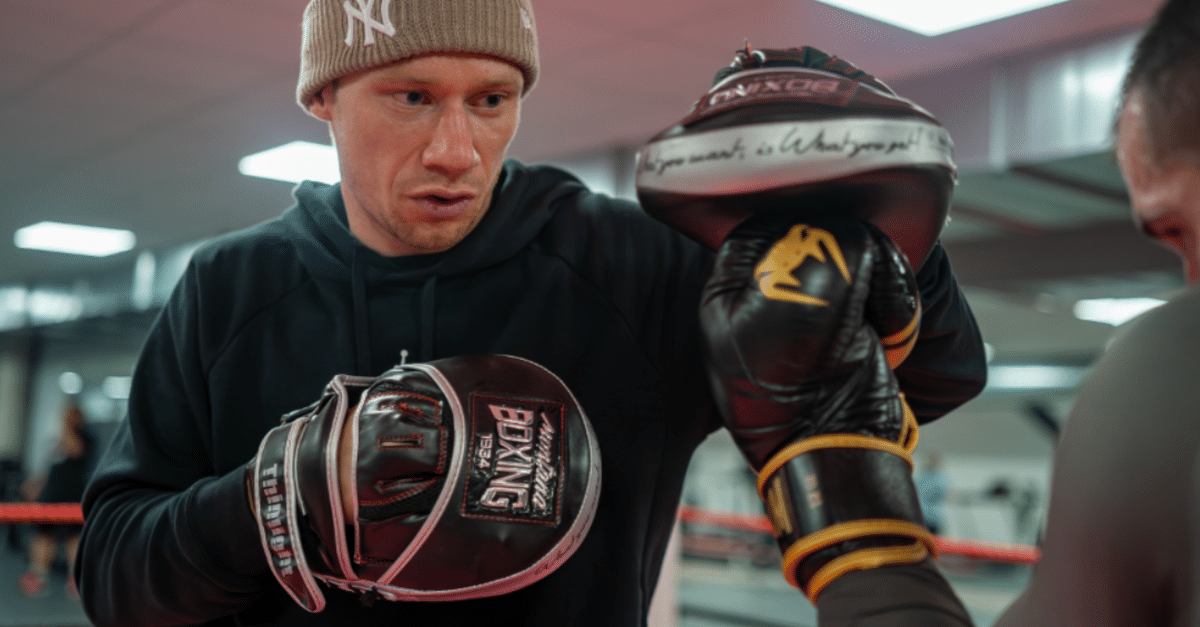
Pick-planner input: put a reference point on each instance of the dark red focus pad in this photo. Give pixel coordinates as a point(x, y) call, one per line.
point(475, 476)
point(800, 128)
point(529, 488)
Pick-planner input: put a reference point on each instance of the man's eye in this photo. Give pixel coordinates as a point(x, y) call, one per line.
point(412, 97)
point(493, 100)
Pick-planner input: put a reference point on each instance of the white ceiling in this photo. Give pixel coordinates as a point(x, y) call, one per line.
point(134, 113)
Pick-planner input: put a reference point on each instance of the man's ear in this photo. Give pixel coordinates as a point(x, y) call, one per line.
point(322, 103)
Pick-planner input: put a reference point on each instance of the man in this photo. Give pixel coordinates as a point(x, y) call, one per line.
point(932, 484)
point(432, 246)
point(1120, 545)
point(74, 455)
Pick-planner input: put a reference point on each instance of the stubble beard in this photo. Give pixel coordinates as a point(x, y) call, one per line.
point(435, 237)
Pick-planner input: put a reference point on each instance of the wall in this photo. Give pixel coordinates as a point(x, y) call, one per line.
point(95, 357)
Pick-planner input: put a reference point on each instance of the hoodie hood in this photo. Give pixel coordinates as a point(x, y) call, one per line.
point(522, 203)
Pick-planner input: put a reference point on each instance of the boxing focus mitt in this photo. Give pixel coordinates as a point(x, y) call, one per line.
point(799, 128)
point(474, 476)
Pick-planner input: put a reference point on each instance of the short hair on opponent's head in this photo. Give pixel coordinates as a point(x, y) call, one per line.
point(1166, 70)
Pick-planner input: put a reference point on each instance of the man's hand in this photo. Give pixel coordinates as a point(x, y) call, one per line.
point(346, 469)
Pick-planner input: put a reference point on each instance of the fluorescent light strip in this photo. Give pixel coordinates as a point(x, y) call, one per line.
point(75, 239)
point(937, 17)
point(70, 382)
point(1114, 311)
point(47, 306)
point(293, 162)
point(1034, 377)
point(117, 388)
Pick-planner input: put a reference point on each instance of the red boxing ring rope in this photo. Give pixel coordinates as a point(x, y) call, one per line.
point(70, 513)
point(52, 513)
point(974, 549)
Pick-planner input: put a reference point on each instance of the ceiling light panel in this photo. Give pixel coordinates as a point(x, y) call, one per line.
point(937, 17)
point(1035, 377)
point(1114, 311)
point(293, 162)
point(75, 239)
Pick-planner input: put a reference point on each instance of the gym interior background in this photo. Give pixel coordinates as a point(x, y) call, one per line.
point(136, 114)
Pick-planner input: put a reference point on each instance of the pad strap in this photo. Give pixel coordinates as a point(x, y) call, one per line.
point(276, 495)
point(844, 502)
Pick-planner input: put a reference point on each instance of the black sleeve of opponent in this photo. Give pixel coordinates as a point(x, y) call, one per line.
point(892, 596)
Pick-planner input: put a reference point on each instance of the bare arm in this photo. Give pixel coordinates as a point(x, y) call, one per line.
point(1116, 549)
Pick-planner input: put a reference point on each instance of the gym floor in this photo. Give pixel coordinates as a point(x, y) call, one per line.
point(743, 595)
point(54, 609)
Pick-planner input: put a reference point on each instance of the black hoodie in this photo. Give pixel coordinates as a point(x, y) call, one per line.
point(584, 284)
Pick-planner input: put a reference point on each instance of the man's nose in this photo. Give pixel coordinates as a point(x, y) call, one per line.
point(451, 150)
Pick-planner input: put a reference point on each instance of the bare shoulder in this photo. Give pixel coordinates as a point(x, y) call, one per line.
point(1159, 351)
point(1122, 485)
point(1134, 423)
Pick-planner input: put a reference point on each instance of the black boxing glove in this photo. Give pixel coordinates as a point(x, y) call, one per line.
point(793, 318)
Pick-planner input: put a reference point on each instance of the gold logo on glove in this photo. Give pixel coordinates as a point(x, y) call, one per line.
point(774, 272)
point(779, 508)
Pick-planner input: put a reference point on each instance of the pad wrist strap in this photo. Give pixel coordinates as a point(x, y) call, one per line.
point(277, 499)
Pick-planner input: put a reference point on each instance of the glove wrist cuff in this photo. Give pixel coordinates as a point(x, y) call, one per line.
point(842, 502)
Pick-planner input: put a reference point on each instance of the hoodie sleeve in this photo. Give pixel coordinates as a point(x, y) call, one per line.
point(947, 367)
point(892, 596)
point(168, 539)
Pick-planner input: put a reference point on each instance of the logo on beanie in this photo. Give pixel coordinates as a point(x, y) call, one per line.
point(365, 13)
point(516, 460)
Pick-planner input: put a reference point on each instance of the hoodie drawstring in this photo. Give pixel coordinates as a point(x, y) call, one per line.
point(428, 300)
point(362, 321)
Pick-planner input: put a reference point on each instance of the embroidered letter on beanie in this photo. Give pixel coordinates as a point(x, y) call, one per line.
point(364, 14)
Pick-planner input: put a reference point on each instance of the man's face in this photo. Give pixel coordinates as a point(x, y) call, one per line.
point(1165, 192)
point(421, 144)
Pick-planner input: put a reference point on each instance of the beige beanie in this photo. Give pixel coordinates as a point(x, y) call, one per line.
point(346, 36)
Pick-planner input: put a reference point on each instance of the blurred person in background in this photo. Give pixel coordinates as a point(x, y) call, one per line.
point(932, 485)
point(1122, 540)
point(64, 483)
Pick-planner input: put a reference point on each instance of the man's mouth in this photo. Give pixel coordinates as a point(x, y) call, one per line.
point(444, 205)
point(445, 200)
